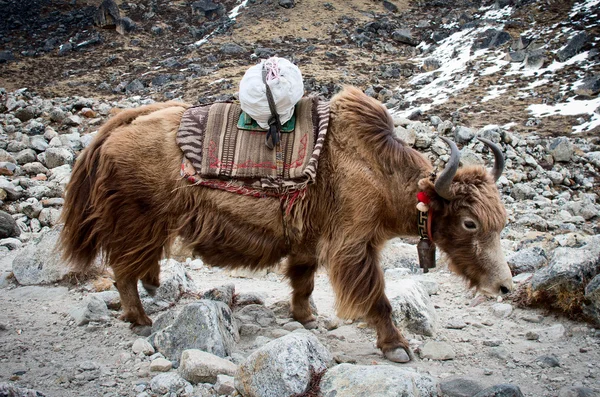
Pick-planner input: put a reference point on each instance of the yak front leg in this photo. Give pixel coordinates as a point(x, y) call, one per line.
point(359, 285)
point(301, 272)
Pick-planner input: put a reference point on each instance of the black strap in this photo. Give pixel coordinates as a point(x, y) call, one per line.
point(273, 135)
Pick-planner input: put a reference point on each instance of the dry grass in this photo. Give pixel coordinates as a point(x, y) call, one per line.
point(314, 388)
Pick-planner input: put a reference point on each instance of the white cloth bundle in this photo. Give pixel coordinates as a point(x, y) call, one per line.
point(284, 80)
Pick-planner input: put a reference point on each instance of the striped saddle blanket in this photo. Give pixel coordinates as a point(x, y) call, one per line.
point(217, 154)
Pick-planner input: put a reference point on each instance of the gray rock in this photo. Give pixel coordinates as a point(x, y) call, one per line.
point(57, 156)
point(141, 345)
point(527, 260)
point(7, 168)
point(11, 243)
point(534, 59)
point(125, 25)
point(169, 382)
point(111, 298)
point(9, 389)
point(8, 226)
point(469, 158)
point(232, 49)
point(38, 143)
point(39, 262)
point(282, 367)
point(398, 255)
point(445, 127)
point(31, 207)
point(574, 45)
point(592, 300)
point(575, 391)
point(523, 191)
point(255, 314)
point(225, 385)
point(534, 221)
point(49, 217)
point(463, 134)
point(589, 87)
point(491, 38)
point(408, 136)
point(34, 168)
point(205, 325)
point(554, 333)
point(501, 391)
point(437, 351)
point(412, 308)
point(287, 3)
point(404, 36)
point(548, 361)
point(25, 114)
point(108, 14)
point(174, 282)
point(347, 380)
point(501, 310)
point(561, 149)
point(92, 309)
point(223, 294)
point(134, 87)
point(7, 157)
point(567, 270)
point(34, 127)
point(197, 366)
point(460, 387)
point(160, 365)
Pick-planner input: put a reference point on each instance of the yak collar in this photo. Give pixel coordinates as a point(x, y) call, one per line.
point(426, 246)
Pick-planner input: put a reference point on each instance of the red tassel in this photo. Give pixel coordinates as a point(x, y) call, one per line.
point(423, 197)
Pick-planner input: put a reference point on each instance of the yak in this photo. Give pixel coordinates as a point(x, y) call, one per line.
point(127, 202)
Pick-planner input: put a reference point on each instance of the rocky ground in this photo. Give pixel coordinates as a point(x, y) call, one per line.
point(524, 74)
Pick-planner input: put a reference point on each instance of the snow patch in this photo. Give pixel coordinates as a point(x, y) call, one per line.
point(572, 107)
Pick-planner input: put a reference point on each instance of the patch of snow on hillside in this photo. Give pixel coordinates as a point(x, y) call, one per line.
point(236, 10)
point(571, 107)
point(494, 92)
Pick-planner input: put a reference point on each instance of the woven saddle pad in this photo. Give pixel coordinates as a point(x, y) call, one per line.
point(218, 154)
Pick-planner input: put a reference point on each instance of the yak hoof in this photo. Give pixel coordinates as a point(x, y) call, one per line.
point(397, 355)
point(311, 325)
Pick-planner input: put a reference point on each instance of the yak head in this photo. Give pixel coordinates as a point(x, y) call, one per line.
point(468, 218)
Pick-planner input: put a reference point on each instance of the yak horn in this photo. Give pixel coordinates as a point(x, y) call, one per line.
point(498, 157)
point(443, 182)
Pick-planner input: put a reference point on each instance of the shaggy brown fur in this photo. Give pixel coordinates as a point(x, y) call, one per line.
point(127, 202)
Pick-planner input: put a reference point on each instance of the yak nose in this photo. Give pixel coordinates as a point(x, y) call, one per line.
point(506, 287)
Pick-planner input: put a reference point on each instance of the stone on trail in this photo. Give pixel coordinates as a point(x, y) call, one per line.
point(255, 314)
point(460, 387)
point(574, 391)
point(347, 380)
point(141, 345)
point(412, 309)
point(92, 309)
point(197, 366)
point(205, 325)
point(501, 391)
point(283, 367)
point(502, 310)
point(170, 382)
point(223, 294)
point(160, 365)
point(11, 390)
point(437, 351)
point(225, 385)
point(554, 333)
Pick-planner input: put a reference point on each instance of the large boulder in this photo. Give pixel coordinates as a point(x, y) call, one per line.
point(592, 300)
point(412, 308)
point(40, 262)
point(282, 367)
point(205, 325)
point(347, 380)
point(562, 283)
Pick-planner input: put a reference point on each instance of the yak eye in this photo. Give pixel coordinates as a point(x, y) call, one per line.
point(470, 225)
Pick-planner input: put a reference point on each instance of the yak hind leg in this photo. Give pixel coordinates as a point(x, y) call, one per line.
point(359, 285)
point(133, 311)
point(151, 280)
point(301, 272)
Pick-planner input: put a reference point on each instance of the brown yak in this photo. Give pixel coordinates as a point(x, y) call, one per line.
point(127, 201)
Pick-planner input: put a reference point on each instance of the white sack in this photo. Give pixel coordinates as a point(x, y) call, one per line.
point(285, 83)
